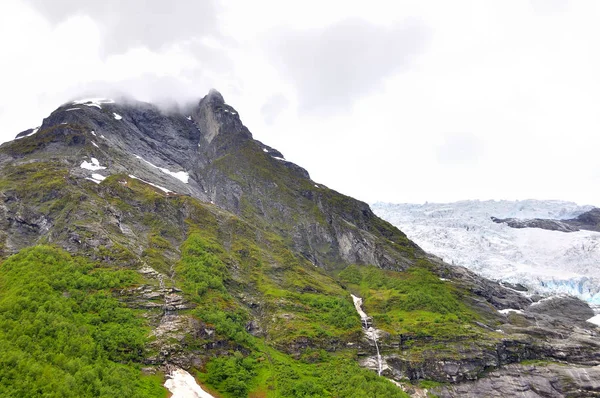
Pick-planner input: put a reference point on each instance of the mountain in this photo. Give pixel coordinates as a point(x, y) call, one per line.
point(145, 249)
point(547, 252)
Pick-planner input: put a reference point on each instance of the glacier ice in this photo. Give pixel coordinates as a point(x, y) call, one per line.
point(462, 233)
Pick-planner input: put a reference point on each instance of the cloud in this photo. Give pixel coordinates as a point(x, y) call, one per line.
point(273, 106)
point(333, 66)
point(460, 149)
point(134, 23)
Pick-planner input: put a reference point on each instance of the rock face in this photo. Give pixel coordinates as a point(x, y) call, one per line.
point(551, 225)
point(590, 220)
point(530, 381)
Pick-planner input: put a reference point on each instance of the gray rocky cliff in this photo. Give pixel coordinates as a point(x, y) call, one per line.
point(590, 220)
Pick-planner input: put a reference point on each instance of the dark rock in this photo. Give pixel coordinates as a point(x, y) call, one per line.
point(551, 225)
point(589, 220)
point(531, 381)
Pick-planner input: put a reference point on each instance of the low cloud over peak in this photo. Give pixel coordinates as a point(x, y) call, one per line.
point(333, 66)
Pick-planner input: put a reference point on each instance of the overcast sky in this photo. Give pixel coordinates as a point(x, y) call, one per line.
point(400, 101)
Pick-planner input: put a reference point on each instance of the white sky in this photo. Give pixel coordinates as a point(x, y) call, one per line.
point(405, 101)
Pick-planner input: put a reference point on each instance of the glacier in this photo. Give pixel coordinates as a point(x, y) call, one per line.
point(546, 262)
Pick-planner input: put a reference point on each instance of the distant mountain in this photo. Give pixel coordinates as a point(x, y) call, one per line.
point(144, 249)
point(533, 243)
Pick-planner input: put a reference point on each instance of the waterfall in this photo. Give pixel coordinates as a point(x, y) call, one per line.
point(370, 332)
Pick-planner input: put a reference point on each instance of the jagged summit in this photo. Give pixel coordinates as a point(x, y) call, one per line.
point(214, 95)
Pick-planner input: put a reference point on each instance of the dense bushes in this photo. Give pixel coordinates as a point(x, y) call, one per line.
point(232, 374)
point(63, 334)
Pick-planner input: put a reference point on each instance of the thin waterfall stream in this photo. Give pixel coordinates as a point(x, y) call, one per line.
point(370, 331)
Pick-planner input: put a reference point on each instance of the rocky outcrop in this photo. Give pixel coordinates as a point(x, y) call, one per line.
point(552, 330)
point(589, 220)
point(551, 225)
point(529, 381)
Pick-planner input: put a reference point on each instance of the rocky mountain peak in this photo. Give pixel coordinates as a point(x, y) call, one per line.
point(215, 96)
point(216, 118)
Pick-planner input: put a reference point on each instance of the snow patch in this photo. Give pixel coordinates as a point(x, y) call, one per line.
point(93, 133)
point(595, 320)
point(94, 144)
point(97, 178)
point(181, 384)
point(72, 109)
point(506, 311)
point(549, 299)
point(95, 165)
point(265, 150)
point(117, 116)
point(278, 158)
point(180, 175)
point(189, 118)
point(165, 190)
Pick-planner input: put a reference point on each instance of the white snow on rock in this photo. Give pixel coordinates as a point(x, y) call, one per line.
point(278, 158)
point(97, 178)
point(72, 109)
point(94, 144)
point(180, 175)
point(265, 150)
point(181, 384)
point(189, 118)
point(506, 311)
point(165, 190)
point(595, 320)
point(94, 102)
point(93, 133)
point(462, 233)
point(117, 116)
point(95, 165)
